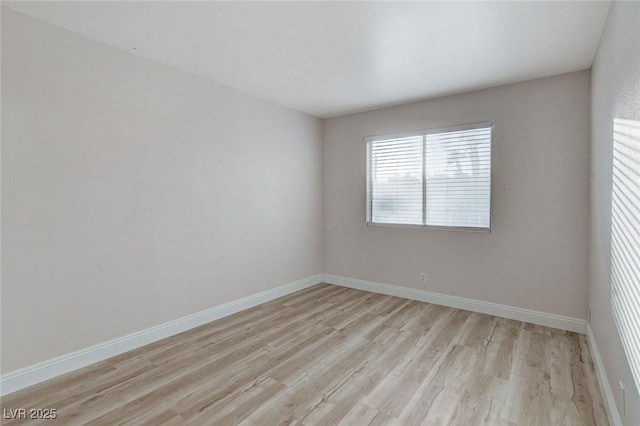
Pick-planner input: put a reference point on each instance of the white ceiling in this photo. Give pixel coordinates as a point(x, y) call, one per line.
point(333, 58)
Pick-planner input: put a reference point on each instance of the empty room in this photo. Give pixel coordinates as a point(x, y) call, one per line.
point(320, 213)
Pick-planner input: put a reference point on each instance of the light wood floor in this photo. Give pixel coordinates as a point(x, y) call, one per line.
point(330, 355)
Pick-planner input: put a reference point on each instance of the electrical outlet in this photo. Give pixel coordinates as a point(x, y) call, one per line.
point(423, 278)
point(624, 402)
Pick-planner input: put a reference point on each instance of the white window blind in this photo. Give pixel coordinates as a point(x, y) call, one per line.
point(434, 178)
point(625, 239)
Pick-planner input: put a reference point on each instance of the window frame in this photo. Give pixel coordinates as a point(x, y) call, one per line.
point(425, 132)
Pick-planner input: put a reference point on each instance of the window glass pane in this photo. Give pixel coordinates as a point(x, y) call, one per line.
point(458, 178)
point(396, 174)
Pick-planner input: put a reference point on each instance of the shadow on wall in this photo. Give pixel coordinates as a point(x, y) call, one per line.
point(625, 238)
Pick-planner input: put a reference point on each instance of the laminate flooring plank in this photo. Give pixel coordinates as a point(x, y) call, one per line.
point(582, 397)
point(346, 396)
point(500, 348)
point(237, 409)
point(474, 402)
point(392, 395)
point(160, 416)
point(223, 385)
point(424, 320)
point(592, 386)
point(360, 414)
point(291, 404)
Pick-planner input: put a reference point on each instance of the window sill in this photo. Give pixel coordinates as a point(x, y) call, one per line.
point(431, 227)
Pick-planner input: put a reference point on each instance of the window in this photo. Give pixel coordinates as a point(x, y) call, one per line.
point(431, 178)
point(625, 239)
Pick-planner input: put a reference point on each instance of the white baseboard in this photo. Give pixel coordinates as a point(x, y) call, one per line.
point(605, 388)
point(42, 371)
point(504, 311)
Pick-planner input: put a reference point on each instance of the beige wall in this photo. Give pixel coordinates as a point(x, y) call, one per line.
point(616, 94)
point(134, 194)
point(536, 255)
